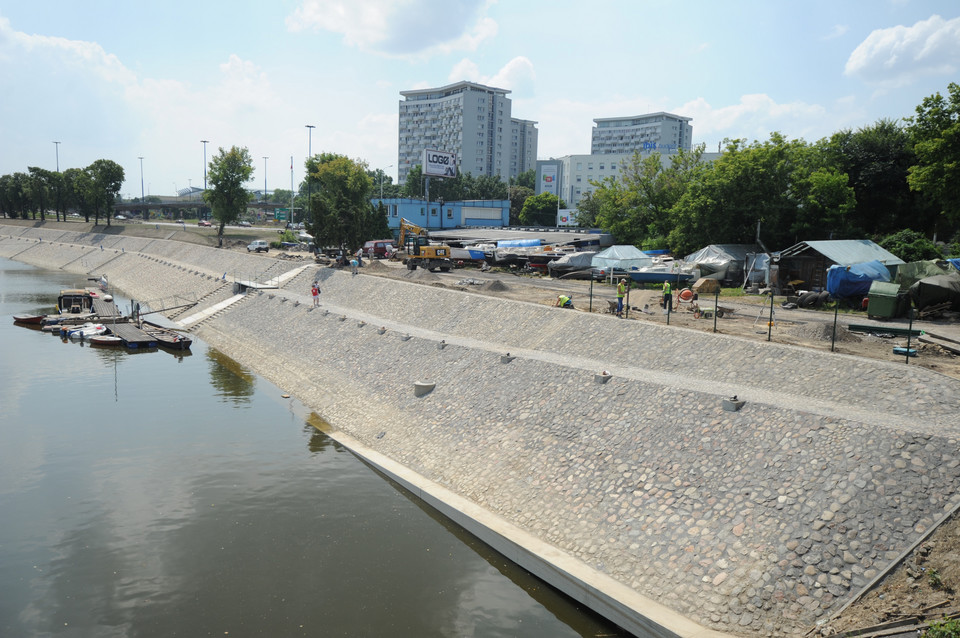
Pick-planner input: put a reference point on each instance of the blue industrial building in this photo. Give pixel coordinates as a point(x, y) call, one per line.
point(440, 216)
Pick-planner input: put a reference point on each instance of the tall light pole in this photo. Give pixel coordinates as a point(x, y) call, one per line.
point(57, 146)
point(145, 212)
point(310, 128)
point(381, 179)
point(58, 155)
point(204, 142)
point(265, 158)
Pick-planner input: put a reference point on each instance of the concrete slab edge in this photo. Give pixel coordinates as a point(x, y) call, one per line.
point(609, 598)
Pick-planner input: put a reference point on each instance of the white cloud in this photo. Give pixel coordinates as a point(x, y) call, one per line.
point(399, 27)
point(837, 31)
point(517, 76)
point(754, 118)
point(893, 57)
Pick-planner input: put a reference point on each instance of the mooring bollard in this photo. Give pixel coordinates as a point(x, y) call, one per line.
point(733, 404)
point(603, 377)
point(421, 388)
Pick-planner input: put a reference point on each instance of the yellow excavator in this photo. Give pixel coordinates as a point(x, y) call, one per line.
point(418, 251)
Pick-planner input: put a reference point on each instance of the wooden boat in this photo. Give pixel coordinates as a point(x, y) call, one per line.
point(29, 319)
point(167, 338)
point(105, 340)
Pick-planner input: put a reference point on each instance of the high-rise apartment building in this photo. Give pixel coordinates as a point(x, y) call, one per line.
point(653, 132)
point(471, 120)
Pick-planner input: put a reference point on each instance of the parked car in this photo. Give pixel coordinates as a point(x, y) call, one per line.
point(204, 223)
point(245, 224)
point(378, 248)
point(259, 245)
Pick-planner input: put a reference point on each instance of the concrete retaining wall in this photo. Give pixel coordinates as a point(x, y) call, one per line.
point(756, 522)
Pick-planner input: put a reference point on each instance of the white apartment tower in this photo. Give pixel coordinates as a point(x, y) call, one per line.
point(471, 120)
point(653, 132)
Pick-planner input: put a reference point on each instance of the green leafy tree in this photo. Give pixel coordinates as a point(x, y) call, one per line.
point(936, 135)
point(518, 196)
point(78, 186)
point(909, 245)
point(876, 159)
point(6, 185)
point(340, 212)
point(19, 194)
point(106, 178)
point(587, 211)
point(527, 179)
point(227, 195)
point(41, 183)
point(541, 210)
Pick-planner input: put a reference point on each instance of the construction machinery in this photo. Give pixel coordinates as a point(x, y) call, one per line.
point(418, 251)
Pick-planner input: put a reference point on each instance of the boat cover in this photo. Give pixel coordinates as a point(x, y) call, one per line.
point(726, 261)
point(518, 243)
point(909, 274)
point(850, 281)
point(573, 261)
point(621, 258)
point(936, 290)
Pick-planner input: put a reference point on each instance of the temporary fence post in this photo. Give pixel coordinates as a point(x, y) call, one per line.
point(770, 323)
point(716, 307)
point(836, 311)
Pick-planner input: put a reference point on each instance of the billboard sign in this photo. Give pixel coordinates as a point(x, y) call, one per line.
point(548, 179)
point(439, 163)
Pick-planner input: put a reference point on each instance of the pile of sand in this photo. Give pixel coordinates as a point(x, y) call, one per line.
point(374, 264)
point(816, 331)
point(494, 286)
point(420, 274)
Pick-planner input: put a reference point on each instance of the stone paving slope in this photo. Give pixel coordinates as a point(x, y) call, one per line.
point(758, 522)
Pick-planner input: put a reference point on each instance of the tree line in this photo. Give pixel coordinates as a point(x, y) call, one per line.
point(90, 191)
point(874, 182)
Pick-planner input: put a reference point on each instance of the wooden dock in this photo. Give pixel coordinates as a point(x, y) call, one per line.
point(133, 337)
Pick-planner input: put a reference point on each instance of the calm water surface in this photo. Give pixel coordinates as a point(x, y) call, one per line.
point(145, 494)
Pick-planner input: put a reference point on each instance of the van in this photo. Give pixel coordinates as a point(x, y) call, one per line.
point(378, 248)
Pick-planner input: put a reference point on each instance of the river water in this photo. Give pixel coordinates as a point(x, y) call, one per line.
point(146, 494)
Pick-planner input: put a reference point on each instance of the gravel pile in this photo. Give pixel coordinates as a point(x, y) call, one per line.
point(816, 331)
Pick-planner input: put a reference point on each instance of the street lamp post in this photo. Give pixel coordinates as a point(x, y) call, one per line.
point(57, 146)
point(265, 158)
point(58, 155)
point(204, 142)
point(145, 211)
point(310, 128)
point(381, 179)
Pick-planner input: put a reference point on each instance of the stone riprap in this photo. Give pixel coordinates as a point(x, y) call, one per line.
point(756, 522)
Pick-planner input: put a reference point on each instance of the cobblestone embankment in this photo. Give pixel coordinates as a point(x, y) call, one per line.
point(756, 522)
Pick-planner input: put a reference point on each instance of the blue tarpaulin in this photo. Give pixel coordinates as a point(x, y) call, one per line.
point(955, 261)
point(849, 281)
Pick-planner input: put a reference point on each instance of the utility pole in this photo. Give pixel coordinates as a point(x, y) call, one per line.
point(310, 128)
point(145, 211)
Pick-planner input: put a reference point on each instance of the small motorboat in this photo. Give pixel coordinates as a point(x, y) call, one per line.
point(29, 319)
point(84, 331)
point(167, 338)
point(105, 340)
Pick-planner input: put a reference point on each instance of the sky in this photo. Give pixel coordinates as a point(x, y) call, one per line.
point(125, 80)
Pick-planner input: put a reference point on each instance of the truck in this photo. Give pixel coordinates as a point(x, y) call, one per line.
point(418, 251)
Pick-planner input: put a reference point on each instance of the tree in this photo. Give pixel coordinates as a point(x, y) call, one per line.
point(910, 245)
point(587, 211)
point(340, 210)
point(41, 183)
point(106, 178)
point(936, 134)
point(876, 160)
point(527, 179)
point(518, 196)
point(541, 210)
point(227, 195)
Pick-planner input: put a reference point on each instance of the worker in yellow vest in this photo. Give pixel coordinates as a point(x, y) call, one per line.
point(621, 291)
point(667, 297)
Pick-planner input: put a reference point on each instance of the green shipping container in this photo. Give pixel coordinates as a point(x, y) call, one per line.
point(885, 301)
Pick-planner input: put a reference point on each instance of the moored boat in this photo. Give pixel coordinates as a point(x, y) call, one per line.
point(105, 340)
point(84, 331)
point(29, 319)
point(167, 338)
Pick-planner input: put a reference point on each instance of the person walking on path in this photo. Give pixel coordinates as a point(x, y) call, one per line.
point(621, 290)
point(315, 291)
point(667, 297)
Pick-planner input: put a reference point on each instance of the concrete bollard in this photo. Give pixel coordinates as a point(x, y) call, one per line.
point(506, 358)
point(380, 331)
point(441, 345)
point(733, 404)
point(421, 388)
point(405, 338)
point(602, 378)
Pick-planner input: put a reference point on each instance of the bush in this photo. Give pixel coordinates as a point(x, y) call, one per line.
point(944, 629)
point(909, 245)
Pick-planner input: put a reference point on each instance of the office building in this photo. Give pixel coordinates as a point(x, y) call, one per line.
point(472, 120)
point(653, 132)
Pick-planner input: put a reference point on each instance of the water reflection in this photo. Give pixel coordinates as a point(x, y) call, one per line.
point(230, 379)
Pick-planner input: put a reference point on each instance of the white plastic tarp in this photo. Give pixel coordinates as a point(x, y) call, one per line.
point(621, 258)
